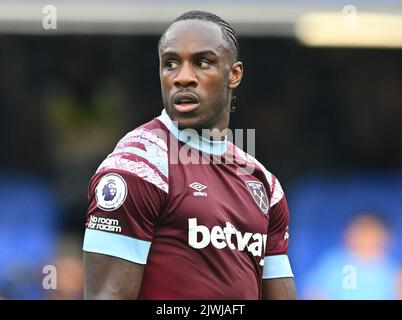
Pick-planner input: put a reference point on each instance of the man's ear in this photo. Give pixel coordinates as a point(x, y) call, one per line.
point(236, 75)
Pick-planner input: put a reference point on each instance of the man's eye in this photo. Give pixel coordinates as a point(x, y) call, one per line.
point(171, 65)
point(203, 64)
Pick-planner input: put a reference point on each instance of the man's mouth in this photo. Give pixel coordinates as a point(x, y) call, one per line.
point(185, 102)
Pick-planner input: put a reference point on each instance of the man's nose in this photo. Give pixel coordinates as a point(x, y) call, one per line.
point(186, 76)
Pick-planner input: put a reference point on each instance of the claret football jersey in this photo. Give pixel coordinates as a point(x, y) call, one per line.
point(206, 220)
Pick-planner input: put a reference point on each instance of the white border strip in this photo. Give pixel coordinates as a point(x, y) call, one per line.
point(116, 245)
point(277, 267)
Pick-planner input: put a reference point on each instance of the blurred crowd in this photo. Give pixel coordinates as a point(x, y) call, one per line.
point(361, 268)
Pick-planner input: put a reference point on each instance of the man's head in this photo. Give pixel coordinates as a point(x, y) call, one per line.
point(198, 70)
point(367, 236)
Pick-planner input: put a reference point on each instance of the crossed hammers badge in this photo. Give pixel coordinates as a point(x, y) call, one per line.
point(259, 194)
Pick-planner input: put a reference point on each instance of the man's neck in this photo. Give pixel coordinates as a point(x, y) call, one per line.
point(210, 141)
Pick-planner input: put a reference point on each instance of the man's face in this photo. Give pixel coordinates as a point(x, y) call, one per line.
point(197, 74)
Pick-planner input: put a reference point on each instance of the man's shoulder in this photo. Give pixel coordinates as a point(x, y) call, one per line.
point(246, 160)
point(256, 168)
point(151, 137)
point(141, 152)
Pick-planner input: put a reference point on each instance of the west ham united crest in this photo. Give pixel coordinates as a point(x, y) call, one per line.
point(259, 194)
point(111, 192)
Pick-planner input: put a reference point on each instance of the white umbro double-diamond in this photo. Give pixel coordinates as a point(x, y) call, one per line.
point(198, 187)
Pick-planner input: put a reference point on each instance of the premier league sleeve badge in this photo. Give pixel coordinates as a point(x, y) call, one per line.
point(111, 192)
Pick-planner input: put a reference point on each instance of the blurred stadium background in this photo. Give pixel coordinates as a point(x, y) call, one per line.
point(322, 88)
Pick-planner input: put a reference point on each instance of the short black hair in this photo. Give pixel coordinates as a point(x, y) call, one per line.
point(227, 31)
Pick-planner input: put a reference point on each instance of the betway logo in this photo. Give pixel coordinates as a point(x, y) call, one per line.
point(221, 237)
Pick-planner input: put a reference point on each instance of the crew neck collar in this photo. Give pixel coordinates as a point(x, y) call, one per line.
point(192, 138)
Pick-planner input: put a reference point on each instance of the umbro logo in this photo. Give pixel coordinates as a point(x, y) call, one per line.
point(198, 187)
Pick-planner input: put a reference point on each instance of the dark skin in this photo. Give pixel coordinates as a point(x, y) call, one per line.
point(194, 58)
point(110, 278)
